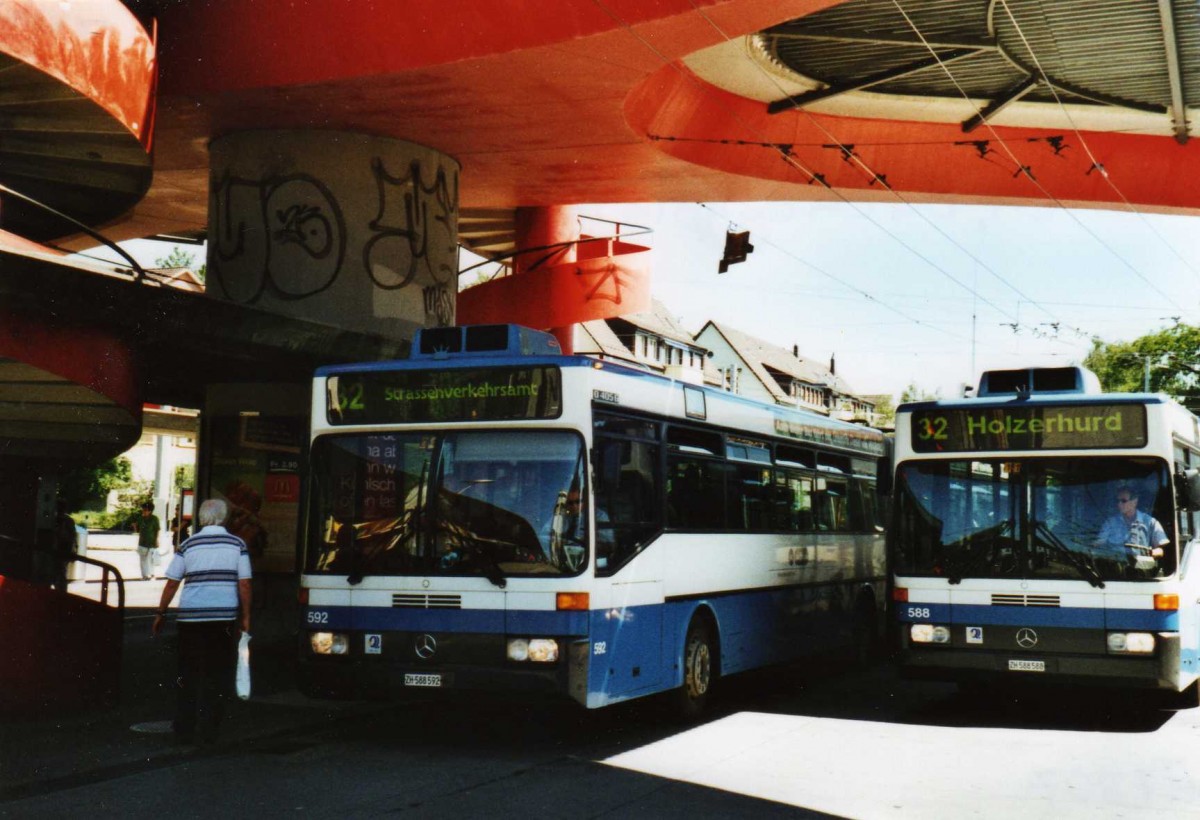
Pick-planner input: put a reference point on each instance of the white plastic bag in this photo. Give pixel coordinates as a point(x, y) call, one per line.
point(243, 667)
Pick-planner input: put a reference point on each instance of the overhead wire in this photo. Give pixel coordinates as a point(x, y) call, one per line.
point(813, 177)
point(1087, 148)
point(1023, 169)
point(863, 293)
point(850, 154)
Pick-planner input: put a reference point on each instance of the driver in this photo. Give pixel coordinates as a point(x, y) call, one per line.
point(1132, 536)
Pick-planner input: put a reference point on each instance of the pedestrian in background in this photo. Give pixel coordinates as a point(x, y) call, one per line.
point(147, 527)
point(214, 567)
point(66, 542)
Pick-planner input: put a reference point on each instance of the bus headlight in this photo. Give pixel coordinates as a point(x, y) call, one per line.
point(928, 633)
point(518, 649)
point(329, 643)
point(543, 650)
point(538, 650)
point(1130, 643)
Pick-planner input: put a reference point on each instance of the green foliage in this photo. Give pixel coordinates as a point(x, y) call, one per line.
point(129, 503)
point(885, 412)
point(185, 478)
point(1173, 356)
point(89, 486)
point(179, 258)
point(915, 393)
point(95, 520)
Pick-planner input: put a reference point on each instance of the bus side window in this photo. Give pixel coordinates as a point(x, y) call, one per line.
point(696, 493)
point(831, 506)
point(800, 494)
point(750, 493)
point(626, 500)
point(862, 505)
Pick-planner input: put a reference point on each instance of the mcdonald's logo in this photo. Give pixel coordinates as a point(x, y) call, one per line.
point(282, 488)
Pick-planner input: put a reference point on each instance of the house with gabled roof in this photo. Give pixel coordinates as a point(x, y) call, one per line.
point(181, 278)
point(654, 339)
point(758, 369)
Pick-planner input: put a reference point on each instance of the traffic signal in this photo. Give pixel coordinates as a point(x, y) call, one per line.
point(737, 248)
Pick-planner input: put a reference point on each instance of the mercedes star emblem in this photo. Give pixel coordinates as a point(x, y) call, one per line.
point(425, 645)
point(1026, 638)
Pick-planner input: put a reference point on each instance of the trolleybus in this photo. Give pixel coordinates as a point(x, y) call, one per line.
point(1043, 529)
point(492, 515)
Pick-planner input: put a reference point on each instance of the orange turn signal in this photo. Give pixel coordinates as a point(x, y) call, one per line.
point(1166, 601)
point(900, 595)
point(572, 600)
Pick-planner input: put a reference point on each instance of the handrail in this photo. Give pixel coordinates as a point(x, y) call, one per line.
point(106, 568)
point(557, 246)
point(139, 273)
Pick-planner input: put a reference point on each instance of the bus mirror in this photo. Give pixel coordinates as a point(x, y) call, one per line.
point(1187, 489)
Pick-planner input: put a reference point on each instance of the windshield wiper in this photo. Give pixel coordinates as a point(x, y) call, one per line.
point(485, 548)
point(1052, 540)
point(963, 567)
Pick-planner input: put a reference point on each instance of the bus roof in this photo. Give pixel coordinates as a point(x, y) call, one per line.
point(1043, 400)
point(780, 412)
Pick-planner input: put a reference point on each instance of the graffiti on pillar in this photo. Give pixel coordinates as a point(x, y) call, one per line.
point(439, 305)
point(416, 226)
point(284, 234)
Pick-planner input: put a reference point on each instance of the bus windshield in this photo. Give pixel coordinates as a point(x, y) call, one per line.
point(483, 503)
point(1099, 519)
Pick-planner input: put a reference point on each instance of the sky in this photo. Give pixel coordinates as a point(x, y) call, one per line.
point(926, 296)
point(923, 296)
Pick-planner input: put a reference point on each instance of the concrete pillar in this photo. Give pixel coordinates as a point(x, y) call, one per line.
point(347, 229)
point(539, 228)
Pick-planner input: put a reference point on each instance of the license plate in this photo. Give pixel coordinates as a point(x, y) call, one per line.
point(422, 680)
point(1027, 666)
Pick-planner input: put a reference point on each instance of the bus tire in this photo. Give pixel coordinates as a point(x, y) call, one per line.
point(699, 671)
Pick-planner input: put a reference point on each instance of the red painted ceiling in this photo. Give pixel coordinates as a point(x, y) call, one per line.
point(570, 103)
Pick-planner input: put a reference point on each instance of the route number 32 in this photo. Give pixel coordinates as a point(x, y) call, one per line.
point(932, 428)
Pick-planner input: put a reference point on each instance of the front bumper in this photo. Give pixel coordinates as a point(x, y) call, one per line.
point(952, 663)
point(470, 665)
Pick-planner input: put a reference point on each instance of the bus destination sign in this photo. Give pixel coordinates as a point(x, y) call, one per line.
point(1062, 427)
point(458, 394)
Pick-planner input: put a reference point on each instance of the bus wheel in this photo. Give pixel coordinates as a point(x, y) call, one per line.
point(699, 671)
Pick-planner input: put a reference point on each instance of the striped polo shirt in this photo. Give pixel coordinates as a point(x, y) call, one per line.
point(210, 564)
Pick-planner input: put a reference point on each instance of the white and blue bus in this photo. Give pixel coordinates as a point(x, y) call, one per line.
point(1045, 530)
point(490, 514)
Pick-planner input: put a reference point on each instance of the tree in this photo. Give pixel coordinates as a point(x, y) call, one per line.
point(179, 258)
point(129, 503)
point(885, 411)
point(92, 484)
point(1169, 360)
point(185, 478)
point(915, 393)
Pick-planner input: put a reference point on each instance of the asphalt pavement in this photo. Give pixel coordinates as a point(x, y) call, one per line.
point(806, 741)
point(44, 753)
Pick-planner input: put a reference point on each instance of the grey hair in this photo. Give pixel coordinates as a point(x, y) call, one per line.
point(214, 511)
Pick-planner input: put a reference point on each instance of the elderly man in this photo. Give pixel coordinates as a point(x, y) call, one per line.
point(214, 567)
